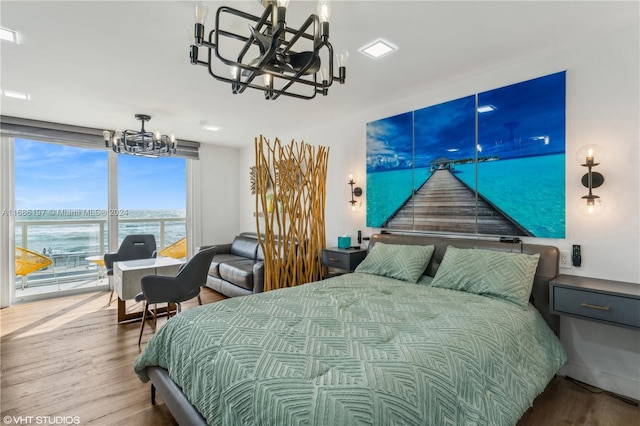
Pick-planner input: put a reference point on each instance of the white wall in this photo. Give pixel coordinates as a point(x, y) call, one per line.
point(216, 174)
point(603, 108)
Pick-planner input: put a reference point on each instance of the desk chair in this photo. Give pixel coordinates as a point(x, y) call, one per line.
point(184, 286)
point(133, 247)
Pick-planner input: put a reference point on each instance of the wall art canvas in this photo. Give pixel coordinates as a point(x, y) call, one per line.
point(492, 163)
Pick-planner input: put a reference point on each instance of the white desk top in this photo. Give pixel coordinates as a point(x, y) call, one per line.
point(156, 262)
point(127, 274)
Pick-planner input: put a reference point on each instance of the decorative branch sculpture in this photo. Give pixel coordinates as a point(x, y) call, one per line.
point(293, 179)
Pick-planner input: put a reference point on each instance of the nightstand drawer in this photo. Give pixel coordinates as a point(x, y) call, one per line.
point(343, 259)
point(334, 259)
point(599, 306)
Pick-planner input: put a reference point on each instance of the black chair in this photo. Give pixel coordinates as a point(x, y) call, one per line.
point(133, 247)
point(184, 286)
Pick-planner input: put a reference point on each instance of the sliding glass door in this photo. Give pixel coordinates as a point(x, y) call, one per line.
point(60, 217)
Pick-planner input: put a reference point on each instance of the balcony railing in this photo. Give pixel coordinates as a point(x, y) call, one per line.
point(68, 243)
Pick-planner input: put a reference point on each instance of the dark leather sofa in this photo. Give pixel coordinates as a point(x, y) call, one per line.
point(237, 269)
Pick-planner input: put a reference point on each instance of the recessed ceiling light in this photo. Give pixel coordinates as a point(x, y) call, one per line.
point(378, 49)
point(9, 35)
point(16, 95)
point(212, 128)
point(486, 108)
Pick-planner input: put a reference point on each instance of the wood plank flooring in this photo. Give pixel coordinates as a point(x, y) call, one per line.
point(69, 357)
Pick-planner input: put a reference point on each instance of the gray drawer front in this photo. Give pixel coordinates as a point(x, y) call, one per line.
point(334, 259)
point(598, 306)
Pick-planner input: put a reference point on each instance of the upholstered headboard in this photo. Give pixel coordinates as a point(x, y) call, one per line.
point(546, 271)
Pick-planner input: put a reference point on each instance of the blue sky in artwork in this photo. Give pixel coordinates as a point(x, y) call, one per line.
point(528, 119)
point(445, 130)
point(55, 176)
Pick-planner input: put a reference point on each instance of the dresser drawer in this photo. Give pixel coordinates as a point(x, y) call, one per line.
point(595, 305)
point(334, 259)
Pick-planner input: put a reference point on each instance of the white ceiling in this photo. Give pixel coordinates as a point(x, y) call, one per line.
point(96, 64)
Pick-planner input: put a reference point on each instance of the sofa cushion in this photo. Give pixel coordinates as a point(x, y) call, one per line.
point(238, 272)
point(244, 246)
point(214, 269)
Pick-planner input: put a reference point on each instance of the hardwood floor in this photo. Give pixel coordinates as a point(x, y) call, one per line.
point(69, 357)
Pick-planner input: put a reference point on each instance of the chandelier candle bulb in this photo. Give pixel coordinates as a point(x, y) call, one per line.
point(324, 10)
point(198, 32)
point(201, 12)
point(343, 57)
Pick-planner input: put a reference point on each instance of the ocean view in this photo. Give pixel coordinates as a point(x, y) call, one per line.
point(77, 232)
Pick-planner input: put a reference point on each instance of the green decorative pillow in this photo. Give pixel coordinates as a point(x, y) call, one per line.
point(402, 262)
point(503, 275)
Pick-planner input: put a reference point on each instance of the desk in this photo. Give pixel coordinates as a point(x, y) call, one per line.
point(98, 260)
point(127, 276)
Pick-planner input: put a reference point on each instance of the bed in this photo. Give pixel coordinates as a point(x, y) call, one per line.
point(428, 330)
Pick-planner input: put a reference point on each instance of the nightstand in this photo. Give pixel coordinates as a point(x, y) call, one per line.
point(605, 301)
point(344, 259)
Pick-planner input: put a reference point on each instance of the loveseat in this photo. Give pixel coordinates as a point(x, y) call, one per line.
point(237, 269)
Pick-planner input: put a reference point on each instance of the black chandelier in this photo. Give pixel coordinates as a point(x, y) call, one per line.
point(143, 143)
point(271, 56)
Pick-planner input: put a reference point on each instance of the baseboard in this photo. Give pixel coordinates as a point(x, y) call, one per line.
point(603, 380)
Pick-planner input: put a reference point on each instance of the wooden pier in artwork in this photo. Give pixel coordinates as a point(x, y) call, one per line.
point(446, 204)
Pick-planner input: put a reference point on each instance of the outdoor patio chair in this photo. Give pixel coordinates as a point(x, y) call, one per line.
point(27, 261)
point(177, 250)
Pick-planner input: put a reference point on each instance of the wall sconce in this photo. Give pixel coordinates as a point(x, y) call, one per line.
point(591, 204)
point(355, 192)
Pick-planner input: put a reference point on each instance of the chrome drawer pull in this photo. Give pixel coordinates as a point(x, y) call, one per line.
point(588, 305)
point(332, 259)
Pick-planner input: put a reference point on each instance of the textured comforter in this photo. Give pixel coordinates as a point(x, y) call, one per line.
point(358, 349)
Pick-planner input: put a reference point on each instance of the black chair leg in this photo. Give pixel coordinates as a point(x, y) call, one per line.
point(153, 394)
point(144, 320)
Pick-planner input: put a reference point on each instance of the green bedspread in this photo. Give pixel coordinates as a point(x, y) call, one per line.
point(358, 349)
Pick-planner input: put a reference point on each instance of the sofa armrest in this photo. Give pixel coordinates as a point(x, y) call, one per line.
point(221, 248)
point(258, 277)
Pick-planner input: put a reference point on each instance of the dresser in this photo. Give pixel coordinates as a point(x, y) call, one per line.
point(344, 260)
point(609, 302)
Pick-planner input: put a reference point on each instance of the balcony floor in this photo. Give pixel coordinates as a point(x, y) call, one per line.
point(62, 288)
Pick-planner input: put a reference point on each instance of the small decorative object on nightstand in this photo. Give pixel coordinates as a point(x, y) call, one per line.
point(605, 301)
point(344, 259)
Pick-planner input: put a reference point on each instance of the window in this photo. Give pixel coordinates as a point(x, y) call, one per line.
point(152, 198)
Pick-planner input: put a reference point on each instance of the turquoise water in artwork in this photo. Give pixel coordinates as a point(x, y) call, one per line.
point(388, 191)
point(531, 190)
